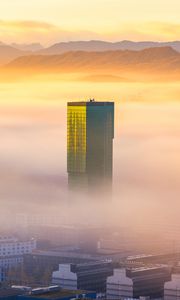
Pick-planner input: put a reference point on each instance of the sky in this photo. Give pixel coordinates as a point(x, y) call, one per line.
point(49, 21)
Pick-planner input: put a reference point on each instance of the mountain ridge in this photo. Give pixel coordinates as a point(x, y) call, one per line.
point(32, 47)
point(8, 53)
point(78, 60)
point(98, 45)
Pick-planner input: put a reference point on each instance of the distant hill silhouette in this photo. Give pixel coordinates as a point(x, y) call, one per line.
point(13, 51)
point(8, 53)
point(28, 47)
point(105, 46)
point(164, 58)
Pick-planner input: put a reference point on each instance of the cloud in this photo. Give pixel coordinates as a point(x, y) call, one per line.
point(160, 30)
point(28, 31)
point(157, 31)
point(26, 25)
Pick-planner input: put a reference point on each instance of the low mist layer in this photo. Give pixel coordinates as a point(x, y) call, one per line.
point(146, 157)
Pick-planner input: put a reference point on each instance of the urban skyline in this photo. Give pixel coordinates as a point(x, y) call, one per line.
point(89, 150)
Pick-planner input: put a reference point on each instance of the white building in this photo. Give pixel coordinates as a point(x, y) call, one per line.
point(12, 246)
point(119, 286)
point(65, 278)
point(146, 281)
point(11, 253)
point(172, 288)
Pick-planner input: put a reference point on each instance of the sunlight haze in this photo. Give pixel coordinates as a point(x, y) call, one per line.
point(55, 20)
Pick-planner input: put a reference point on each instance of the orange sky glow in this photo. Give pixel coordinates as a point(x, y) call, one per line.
point(49, 21)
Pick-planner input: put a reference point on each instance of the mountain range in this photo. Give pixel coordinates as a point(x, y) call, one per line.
point(12, 51)
point(164, 58)
point(112, 65)
point(8, 53)
point(105, 46)
point(28, 47)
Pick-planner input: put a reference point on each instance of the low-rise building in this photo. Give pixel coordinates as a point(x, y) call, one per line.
point(50, 259)
point(172, 288)
point(10, 246)
point(87, 276)
point(11, 253)
point(137, 282)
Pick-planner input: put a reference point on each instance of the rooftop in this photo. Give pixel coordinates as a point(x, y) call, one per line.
point(76, 254)
point(148, 268)
point(91, 102)
point(57, 294)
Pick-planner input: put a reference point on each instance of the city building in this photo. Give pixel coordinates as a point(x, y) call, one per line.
point(119, 285)
point(56, 293)
point(137, 282)
point(172, 288)
point(11, 253)
point(12, 246)
point(88, 276)
point(162, 258)
point(49, 260)
point(90, 133)
point(43, 260)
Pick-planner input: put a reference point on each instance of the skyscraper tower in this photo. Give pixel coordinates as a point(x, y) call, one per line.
point(90, 133)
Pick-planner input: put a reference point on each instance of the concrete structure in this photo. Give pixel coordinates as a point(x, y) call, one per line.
point(44, 260)
point(172, 288)
point(90, 133)
point(11, 253)
point(87, 276)
point(65, 277)
point(163, 258)
point(52, 259)
point(137, 282)
point(119, 286)
point(12, 246)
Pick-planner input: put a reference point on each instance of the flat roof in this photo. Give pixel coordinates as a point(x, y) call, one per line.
point(57, 294)
point(90, 103)
point(148, 268)
point(74, 254)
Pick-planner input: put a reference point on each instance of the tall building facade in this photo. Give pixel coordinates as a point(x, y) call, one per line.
point(90, 133)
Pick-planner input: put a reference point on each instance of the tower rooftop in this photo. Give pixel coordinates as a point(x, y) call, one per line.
point(90, 102)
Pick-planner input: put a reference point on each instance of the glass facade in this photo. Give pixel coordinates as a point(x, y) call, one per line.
point(90, 133)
